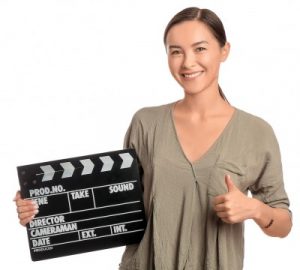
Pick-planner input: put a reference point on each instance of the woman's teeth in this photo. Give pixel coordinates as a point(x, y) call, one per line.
point(192, 75)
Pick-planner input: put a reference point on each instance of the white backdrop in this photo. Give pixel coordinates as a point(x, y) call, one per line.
point(72, 73)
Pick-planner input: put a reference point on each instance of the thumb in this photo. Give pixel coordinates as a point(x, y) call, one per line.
point(230, 185)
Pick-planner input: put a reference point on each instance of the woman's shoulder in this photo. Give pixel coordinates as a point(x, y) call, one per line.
point(254, 125)
point(152, 113)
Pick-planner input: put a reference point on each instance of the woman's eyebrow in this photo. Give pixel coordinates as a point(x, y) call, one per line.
point(174, 47)
point(194, 44)
point(199, 43)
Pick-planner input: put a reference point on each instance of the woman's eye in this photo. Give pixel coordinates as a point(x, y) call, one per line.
point(200, 49)
point(175, 52)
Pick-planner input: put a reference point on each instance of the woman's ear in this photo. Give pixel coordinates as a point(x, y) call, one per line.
point(225, 51)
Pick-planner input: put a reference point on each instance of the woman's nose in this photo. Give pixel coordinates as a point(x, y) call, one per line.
point(189, 60)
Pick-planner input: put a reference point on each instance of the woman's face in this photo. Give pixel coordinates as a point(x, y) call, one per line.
point(194, 56)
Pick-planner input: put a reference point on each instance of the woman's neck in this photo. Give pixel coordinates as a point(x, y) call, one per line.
point(203, 104)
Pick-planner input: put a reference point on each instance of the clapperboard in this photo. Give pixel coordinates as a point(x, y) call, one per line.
point(85, 203)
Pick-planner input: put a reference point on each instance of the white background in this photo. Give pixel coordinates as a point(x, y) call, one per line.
point(72, 73)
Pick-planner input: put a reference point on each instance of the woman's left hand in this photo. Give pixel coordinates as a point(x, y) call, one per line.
point(234, 206)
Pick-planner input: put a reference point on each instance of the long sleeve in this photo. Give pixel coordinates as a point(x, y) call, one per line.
point(269, 187)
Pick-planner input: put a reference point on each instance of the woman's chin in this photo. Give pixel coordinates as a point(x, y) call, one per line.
point(192, 91)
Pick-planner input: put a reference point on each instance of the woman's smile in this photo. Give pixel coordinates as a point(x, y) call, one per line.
point(191, 76)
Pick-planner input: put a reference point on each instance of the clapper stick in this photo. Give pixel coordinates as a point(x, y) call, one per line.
point(85, 203)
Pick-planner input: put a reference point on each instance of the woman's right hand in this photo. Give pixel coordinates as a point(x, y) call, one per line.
point(26, 209)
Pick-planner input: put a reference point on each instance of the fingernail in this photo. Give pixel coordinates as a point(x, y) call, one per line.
point(35, 204)
point(36, 211)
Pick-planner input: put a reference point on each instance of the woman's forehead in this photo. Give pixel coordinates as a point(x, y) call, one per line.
point(188, 32)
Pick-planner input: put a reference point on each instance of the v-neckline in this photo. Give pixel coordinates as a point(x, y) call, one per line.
point(210, 149)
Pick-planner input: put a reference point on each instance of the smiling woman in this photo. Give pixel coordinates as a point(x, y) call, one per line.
point(199, 158)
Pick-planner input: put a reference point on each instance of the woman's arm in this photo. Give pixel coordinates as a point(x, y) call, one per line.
point(273, 221)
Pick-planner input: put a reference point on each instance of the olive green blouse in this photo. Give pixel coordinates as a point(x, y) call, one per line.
point(183, 231)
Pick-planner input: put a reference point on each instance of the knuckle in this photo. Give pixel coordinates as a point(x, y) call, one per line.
point(227, 198)
point(225, 220)
point(24, 221)
point(227, 207)
point(230, 213)
point(231, 220)
point(20, 209)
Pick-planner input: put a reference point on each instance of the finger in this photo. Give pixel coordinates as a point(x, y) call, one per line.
point(21, 202)
point(222, 214)
point(220, 199)
point(220, 207)
point(25, 215)
point(226, 220)
point(24, 209)
point(230, 185)
point(26, 220)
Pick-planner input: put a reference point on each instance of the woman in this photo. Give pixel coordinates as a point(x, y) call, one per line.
point(199, 158)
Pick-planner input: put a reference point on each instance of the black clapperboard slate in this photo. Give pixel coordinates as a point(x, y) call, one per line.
point(86, 203)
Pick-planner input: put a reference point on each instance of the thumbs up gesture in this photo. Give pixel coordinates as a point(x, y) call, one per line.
point(234, 206)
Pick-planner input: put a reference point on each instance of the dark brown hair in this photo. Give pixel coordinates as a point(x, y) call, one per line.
point(206, 16)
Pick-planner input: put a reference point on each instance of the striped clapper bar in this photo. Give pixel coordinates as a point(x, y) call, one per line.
point(85, 203)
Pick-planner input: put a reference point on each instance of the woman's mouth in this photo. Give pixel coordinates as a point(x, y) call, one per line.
point(191, 75)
